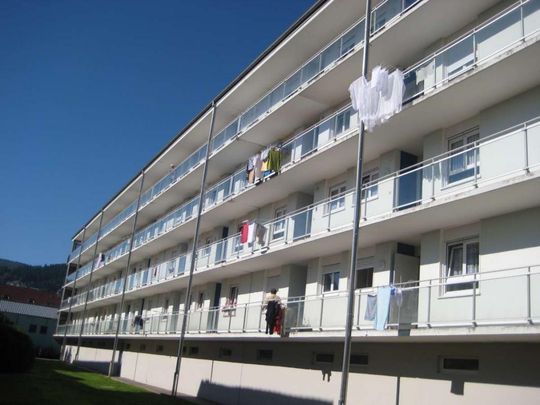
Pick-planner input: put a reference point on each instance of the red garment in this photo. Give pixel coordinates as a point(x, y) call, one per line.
point(277, 324)
point(244, 232)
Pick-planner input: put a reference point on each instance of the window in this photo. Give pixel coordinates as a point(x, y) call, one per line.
point(205, 251)
point(265, 355)
point(278, 227)
point(343, 121)
point(331, 281)
point(462, 264)
point(200, 300)
point(43, 329)
point(32, 329)
point(454, 364)
point(461, 164)
point(337, 198)
point(232, 299)
point(364, 278)
point(367, 181)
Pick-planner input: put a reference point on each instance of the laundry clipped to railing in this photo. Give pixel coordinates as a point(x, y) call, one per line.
point(378, 99)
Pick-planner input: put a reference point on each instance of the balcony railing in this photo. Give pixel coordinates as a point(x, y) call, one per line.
point(474, 165)
point(479, 45)
point(414, 305)
point(408, 191)
point(325, 59)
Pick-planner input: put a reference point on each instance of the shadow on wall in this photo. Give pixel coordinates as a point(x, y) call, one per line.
point(223, 394)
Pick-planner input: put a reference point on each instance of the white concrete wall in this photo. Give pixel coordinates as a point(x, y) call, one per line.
point(403, 373)
point(511, 243)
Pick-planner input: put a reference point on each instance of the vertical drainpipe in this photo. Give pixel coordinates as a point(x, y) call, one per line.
point(89, 285)
point(63, 346)
point(174, 389)
point(133, 229)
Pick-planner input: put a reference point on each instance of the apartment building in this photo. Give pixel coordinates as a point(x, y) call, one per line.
point(450, 222)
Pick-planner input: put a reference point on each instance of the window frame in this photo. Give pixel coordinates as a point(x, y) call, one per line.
point(465, 152)
point(334, 282)
point(463, 277)
point(373, 192)
point(280, 212)
point(337, 198)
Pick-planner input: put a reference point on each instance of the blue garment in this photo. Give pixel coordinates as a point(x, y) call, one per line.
point(383, 305)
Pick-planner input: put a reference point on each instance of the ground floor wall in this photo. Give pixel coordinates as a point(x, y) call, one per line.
point(309, 373)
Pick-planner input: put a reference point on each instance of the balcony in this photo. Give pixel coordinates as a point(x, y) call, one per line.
point(508, 29)
point(464, 177)
point(384, 15)
point(421, 310)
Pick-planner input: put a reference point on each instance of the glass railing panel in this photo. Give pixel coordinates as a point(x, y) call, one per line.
point(384, 13)
point(329, 55)
point(504, 30)
point(531, 16)
point(408, 188)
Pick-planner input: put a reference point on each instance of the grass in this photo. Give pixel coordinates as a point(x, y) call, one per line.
point(54, 382)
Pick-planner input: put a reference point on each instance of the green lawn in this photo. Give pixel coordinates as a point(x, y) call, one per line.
point(54, 382)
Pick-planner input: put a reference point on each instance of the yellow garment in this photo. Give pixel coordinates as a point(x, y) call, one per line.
point(264, 166)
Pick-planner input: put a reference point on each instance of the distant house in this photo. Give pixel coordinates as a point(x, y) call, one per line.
point(33, 312)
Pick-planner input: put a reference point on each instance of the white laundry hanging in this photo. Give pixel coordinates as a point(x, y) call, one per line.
point(376, 101)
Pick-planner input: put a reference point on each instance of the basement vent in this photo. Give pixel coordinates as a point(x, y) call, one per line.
point(359, 359)
point(326, 358)
point(265, 355)
point(193, 350)
point(453, 364)
point(225, 352)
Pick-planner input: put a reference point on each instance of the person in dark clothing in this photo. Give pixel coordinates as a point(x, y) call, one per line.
point(272, 304)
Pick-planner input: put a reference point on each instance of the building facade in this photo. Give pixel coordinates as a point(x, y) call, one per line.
point(450, 222)
point(33, 312)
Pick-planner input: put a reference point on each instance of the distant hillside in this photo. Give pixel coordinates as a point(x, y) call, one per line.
point(10, 264)
point(48, 277)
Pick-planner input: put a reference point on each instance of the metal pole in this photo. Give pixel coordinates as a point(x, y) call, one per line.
point(89, 284)
point(356, 224)
point(63, 347)
point(133, 229)
point(174, 389)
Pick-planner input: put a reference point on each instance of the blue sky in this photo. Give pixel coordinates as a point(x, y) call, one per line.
point(90, 90)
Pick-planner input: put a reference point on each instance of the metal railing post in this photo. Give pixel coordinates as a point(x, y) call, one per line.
point(474, 303)
point(245, 317)
point(89, 284)
point(529, 311)
point(429, 305)
point(476, 148)
point(526, 147)
point(321, 314)
point(174, 388)
point(433, 179)
point(120, 307)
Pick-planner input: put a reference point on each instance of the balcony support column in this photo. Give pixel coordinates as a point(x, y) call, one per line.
point(181, 340)
point(121, 306)
point(356, 228)
point(63, 345)
point(89, 284)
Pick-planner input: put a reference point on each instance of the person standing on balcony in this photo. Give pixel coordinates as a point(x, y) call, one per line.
point(272, 304)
